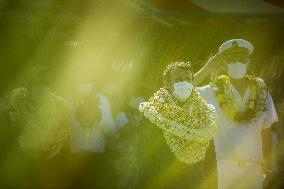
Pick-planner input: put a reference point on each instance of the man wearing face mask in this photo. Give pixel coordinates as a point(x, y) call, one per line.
point(186, 121)
point(245, 112)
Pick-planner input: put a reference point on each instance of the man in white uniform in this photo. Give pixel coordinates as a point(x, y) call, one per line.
point(92, 120)
point(245, 111)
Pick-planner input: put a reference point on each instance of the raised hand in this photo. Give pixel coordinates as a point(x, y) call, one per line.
point(214, 64)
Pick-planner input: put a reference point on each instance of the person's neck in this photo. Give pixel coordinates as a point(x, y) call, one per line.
point(240, 85)
point(237, 81)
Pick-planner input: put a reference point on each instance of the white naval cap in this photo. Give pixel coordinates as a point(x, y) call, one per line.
point(236, 42)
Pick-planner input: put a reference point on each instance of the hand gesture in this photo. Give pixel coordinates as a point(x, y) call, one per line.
point(216, 62)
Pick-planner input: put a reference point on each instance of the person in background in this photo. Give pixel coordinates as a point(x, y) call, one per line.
point(87, 134)
point(94, 127)
point(8, 136)
point(40, 131)
point(93, 121)
point(42, 116)
point(125, 145)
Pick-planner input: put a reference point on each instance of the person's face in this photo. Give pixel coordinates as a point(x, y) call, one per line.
point(241, 58)
point(236, 65)
point(179, 75)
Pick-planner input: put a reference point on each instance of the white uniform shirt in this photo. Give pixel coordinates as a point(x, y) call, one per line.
point(232, 141)
point(93, 139)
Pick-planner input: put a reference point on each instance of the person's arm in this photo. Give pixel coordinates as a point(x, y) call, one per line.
point(213, 64)
point(267, 147)
point(267, 140)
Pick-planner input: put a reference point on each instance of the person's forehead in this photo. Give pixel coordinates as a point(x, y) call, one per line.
point(181, 71)
point(237, 55)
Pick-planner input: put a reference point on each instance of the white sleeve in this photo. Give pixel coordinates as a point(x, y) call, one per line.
point(271, 114)
point(205, 92)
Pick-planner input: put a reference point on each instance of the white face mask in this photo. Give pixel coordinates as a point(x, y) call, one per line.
point(237, 70)
point(182, 90)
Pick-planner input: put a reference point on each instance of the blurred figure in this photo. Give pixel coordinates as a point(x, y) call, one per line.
point(92, 120)
point(86, 135)
point(125, 160)
point(7, 135)
point(41, 115)
point(276, 169)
